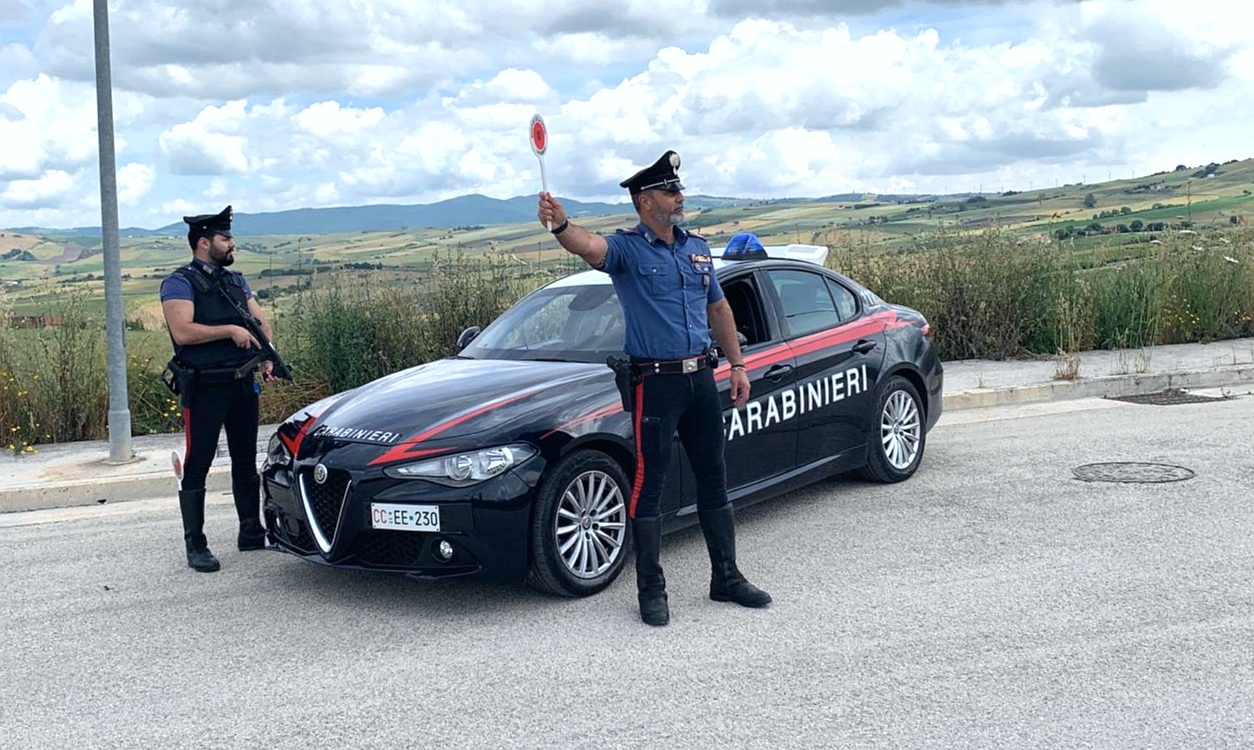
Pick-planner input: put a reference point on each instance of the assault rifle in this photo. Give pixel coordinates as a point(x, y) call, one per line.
point(268, 352)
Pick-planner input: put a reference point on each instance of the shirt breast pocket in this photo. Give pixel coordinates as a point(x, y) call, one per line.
point(658, 279)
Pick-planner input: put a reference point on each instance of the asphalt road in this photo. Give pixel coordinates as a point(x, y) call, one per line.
point(993, 601)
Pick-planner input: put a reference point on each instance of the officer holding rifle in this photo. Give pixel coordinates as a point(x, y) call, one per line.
point(222, 340)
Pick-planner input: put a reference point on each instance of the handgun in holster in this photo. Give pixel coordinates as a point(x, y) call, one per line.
point(626, 378)
point(180, 379)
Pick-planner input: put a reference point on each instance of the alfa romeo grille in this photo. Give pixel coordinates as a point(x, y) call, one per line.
point(323, 503)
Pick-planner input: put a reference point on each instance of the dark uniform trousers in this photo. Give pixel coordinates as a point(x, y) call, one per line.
point(232, 405)
point(687, 404)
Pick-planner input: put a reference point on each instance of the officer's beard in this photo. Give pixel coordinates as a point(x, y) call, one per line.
point(674, 218)
point(222, 258)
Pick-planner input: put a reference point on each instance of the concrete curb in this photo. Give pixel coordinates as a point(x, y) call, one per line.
point(79, 492)
point(1105, 387)
point(93, 481)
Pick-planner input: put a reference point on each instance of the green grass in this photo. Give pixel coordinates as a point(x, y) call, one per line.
point(988, 274)
point(989, 294)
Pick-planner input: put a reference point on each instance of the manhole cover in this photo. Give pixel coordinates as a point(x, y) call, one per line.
point(1169, 397)
point(1131, 471)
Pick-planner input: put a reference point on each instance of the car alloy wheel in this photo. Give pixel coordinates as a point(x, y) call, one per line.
point(579, 537)
point(591, 524)
point(901, 427)
point(895, 435)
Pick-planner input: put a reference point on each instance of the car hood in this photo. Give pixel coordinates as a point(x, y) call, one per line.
point(452, 398)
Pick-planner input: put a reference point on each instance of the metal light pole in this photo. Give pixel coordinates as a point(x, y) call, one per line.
point(120, 450)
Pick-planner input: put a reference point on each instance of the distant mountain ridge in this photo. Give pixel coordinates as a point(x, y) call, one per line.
point(465, 210)
point(462, 211)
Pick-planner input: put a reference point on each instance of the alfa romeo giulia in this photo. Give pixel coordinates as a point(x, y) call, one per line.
point(511, 460)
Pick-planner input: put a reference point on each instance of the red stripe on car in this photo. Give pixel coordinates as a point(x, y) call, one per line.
point(405, 449)
point(817, 341)
point(608, 410)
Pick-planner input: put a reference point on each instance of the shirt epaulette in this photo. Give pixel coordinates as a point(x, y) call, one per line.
point(633, 230)
point(698, 236)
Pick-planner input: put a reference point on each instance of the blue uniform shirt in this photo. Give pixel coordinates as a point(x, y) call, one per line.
point(664, 290)
point(176, 286)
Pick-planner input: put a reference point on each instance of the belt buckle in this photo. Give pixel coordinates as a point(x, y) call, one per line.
point(690, 365)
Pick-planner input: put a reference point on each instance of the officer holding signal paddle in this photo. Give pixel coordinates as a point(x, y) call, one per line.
point(671, 300)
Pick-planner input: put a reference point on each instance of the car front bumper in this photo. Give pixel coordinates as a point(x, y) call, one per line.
point(487, 528)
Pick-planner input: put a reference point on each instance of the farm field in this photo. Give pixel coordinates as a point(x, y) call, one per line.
point(38, 270)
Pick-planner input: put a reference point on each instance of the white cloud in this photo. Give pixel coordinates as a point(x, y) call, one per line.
point(134, 183)
point(16, 63)
point(49, 124)
point(208, 145)
point(218, 189)
point(329, 118)
point(510, 86)
point(46, 191)
point(276, 106)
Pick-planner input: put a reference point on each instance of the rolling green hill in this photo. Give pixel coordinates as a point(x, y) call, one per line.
point(38, 266)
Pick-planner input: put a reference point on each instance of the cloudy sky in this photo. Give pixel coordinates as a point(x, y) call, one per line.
point(273, 104)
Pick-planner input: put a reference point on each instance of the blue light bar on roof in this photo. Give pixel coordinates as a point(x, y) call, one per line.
point(744, 246)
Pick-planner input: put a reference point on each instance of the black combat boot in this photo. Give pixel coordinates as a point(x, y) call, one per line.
point(726, 583)
point(650, 584)
point(192, 505)
point(247, 492)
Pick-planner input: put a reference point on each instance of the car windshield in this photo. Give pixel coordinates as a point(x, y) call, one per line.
point(566, 323)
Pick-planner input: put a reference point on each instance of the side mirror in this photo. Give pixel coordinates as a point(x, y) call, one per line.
point(467, 336)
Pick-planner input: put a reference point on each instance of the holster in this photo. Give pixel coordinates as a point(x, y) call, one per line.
point(180, 379)
point(626, 378)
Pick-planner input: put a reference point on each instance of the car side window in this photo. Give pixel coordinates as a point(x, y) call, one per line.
point(846, 301)
point(746, 306)
point(807, 304)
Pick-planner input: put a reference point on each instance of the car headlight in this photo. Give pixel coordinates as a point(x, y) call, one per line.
point(277, 453)
point(465, 469)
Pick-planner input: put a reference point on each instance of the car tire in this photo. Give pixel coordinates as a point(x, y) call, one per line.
point(896, 434)
point(579, 532)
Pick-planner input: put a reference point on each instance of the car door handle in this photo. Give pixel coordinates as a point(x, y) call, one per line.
point(863, 346)
point(777, 373)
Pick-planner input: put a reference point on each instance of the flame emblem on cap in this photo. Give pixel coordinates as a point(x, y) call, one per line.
point(674, 161)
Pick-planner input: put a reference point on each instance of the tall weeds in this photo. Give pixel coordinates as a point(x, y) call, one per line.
point(991, 295)
point(52, 389)
point(346, 332)
point(987, 295)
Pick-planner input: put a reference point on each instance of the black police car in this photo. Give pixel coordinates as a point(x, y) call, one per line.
point(513, 460)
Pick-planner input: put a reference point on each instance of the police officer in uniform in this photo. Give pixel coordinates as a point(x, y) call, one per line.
point(213, 344)
point(671, 300)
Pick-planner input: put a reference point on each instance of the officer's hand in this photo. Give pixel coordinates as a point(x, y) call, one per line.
point(267, 372)
point(739, 387)
point(551, 212)
point(243, 339)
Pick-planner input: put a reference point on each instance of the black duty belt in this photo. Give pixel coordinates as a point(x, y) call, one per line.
point(684, 366)
point(218, 375)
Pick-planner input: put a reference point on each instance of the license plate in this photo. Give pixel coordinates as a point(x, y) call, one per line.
point(405, 517)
